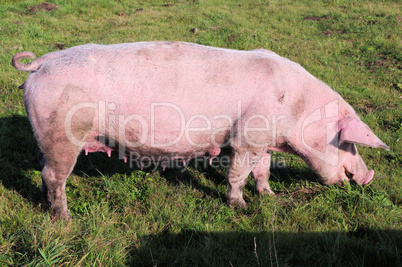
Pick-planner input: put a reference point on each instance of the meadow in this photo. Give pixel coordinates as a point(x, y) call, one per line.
point(126, 216)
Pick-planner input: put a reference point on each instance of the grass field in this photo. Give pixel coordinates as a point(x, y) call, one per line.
point(179, 217)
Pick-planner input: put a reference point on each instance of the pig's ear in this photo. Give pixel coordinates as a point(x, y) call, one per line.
point(353, 130)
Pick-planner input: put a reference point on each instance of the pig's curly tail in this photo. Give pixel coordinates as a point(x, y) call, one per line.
point(31, 66)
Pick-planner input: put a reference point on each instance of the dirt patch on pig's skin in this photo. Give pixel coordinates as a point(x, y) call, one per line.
point(43, 6)
point(298, 107)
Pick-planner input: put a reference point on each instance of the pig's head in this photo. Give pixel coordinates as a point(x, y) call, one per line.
point(341, 156)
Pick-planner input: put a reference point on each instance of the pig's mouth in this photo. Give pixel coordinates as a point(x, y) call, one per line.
point(346, 176)
point(360, 180)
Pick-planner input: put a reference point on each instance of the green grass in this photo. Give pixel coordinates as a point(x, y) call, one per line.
point(179, 217)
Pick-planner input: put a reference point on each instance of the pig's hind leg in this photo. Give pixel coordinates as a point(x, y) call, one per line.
point(261, 175)
point(59, 161)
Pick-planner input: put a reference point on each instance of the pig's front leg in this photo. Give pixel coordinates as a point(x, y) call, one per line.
point(241, 164)
point(261, 175)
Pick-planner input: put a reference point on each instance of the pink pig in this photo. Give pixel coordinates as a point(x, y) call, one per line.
point(176, 100)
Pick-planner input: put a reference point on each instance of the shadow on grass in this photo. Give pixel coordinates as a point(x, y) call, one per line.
point(194, 248)
point(19, 154)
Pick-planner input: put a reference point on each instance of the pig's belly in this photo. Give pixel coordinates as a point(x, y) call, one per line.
point(182, 149)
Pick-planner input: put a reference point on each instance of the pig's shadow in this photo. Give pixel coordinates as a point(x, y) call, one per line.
point(19, 156)
point(96, 164)
point(266, 248)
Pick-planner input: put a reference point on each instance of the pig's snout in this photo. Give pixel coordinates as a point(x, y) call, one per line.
point(367, 179)
point(363, 180)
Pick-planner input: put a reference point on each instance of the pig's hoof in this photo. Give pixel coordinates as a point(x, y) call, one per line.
point(61, 215)
point(237, 203)
point(265, 191)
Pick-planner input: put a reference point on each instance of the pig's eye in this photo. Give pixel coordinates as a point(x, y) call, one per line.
point(353, 149)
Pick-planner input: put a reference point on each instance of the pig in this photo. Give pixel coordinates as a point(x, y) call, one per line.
point(176, 100)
